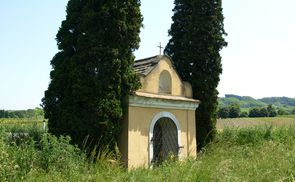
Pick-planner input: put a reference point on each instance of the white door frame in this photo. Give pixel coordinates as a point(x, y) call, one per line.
point(154, 121)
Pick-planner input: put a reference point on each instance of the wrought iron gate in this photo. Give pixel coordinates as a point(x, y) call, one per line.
point(164, 141)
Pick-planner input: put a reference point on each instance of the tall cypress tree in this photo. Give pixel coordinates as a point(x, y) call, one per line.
point(92, 72)
point(196, 38)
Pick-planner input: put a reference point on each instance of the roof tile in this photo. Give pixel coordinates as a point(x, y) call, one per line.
point(144, 66)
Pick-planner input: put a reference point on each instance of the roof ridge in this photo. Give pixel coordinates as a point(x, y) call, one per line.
point(144, 66)
point(138, 60)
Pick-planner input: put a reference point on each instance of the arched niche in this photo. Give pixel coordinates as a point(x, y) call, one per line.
point(156, 119)
point(165, 82)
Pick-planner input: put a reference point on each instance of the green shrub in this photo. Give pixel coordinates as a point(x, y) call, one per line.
point(58, 153)
point(244, 114)
point(18, 160)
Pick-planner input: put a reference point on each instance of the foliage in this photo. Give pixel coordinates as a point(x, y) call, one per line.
point(234, 111)
point(271, 111)
point(196, 39)
point(244, 114)
point(254, 112)
point(29, 113)
point(92, 72)
point(223, 112)
point(262, 112)
point(282, 112)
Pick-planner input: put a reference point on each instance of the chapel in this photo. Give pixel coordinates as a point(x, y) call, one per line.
point(160, 121)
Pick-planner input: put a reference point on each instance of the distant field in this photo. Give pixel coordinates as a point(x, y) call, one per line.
point(20, 120)
point(21, 124)
point(289, 116)
point(287, 120)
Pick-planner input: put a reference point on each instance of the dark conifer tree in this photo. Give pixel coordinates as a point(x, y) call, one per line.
point(92, 72)
point(196, 39)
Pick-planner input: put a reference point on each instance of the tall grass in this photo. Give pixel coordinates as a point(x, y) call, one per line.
point(252, 154)
point(237, 154)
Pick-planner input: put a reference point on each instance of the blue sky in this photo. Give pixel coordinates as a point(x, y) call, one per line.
point(258, 62)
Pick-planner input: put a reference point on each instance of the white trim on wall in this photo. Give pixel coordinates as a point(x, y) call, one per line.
point(154, 121)
point(139, 101)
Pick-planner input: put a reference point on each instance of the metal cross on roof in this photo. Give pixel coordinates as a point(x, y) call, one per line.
point(160, 48)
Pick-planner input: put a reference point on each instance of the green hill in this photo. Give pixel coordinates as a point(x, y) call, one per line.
point(243, 101)
point(247, 102)
point(279, 101)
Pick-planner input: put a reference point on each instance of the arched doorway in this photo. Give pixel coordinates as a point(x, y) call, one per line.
point(164, 138)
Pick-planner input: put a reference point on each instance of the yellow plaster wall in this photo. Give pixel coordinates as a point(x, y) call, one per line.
point(188, 90)
point(150, 83)
point(140, 119)
point(191, 134)
point(123, 142)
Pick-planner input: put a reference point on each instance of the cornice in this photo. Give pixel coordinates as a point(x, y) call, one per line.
point(151, 102)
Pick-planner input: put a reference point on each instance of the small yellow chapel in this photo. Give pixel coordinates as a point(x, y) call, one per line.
point(160, 122)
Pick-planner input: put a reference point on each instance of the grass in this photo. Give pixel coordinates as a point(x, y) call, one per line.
point(260, 153)
point(288, 120)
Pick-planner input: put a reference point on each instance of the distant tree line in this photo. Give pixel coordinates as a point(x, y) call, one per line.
point(234, 111)
point(29, 113)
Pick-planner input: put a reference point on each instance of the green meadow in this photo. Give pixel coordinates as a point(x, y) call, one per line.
point(244, 150)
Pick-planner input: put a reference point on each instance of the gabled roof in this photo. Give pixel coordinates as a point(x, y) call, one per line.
point(145, 66)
